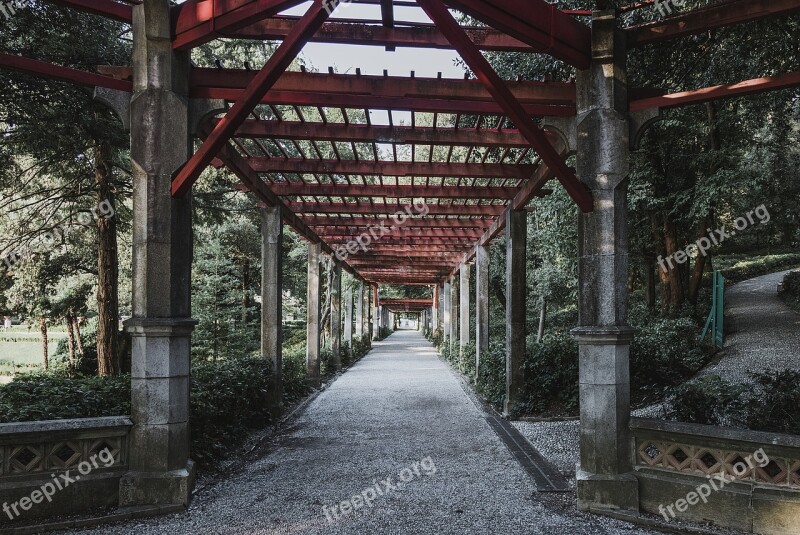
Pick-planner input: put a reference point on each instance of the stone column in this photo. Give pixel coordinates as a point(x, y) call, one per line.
point(375, 325)
point(272, 303)
point(464, 306)
point(605, 474)
point(161, 472)
point(314, 305)
point(516, 244)
point(446, 302)
point(336, 316)
point(435, 308)
point(481, 305)
point(453, 298)
point(348, 320)
point(360, 310)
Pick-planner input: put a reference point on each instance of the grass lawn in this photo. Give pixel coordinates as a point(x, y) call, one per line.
point(26, 350)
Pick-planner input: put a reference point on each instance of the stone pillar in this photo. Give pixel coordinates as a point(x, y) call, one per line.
point(161, 472)
point(464, 306)
point(453, 298)
point(446, 302)
point(348, 320)
point(314, 306)
point(272, 303)
point(481, 305)
point(435, 308)
point(360, 311)
point(605, 474)
point(336, 316)
point(516, 244)
point(375, 325)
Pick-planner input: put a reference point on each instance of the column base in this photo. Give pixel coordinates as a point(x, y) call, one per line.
point(596, 491)
point(157, 488)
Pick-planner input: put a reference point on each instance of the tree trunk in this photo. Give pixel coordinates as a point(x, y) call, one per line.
point(542, 318)
point(699, 264)
point(672, 276)
point(70, 345)
point(43, 330)
point(107, 262)
point(77, 329)
point(245, 294)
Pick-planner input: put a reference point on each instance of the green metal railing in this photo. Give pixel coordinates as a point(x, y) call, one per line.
point(716, 318)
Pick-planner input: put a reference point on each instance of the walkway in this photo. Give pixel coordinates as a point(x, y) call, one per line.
point(766, 333)
point(396, 407)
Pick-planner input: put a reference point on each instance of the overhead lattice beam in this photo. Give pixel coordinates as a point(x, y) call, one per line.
point(394, 192)
point(707, 18)
point(389, 209)
point(106, 8)
point(387, 168)
point(437, 11)
point(258, 87)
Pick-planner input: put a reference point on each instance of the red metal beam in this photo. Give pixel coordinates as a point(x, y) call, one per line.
point(106, 8)
point(196, 22)
point(707, 18)
point(258, 87)
point(437, 11)
point(57, 72)
point(386, 168)
point(390, 209)
point(534, 22)
point(391, 242)
point(403, 135)
point(348, 222)
point(707, 94)
point(394, 192)
point(417, 36)
point(456, 234)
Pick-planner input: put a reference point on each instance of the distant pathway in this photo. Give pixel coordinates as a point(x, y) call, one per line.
point(765, 332)
point(396, 407)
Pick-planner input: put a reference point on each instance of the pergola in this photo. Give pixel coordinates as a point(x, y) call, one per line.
point(411, 203)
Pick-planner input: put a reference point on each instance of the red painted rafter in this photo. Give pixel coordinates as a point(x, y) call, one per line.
point(437, 11)
point(390, 168)
point(416, 36)
point(258, 87)
point(199, 21)
point(535, 22)
point(390, 209)
point(57, 72)
point(708, 94)
point(391, 191)
point(413, 222)
point(707, 18)
point(106, 8)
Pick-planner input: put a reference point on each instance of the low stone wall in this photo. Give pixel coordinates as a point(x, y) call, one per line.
point(676, 463)
point(61, 467)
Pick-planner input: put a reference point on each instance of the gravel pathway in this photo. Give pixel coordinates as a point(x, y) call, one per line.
point(399, 406)
point(765, 332)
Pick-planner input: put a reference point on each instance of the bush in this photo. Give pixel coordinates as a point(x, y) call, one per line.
point(491, 381)
point(791, 290)
point(52, 396)
point(551, 376)
point(736, 268)
point(770, 405)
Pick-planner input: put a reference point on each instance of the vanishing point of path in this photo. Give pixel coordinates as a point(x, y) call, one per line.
point(765, 332)
point(396, 407)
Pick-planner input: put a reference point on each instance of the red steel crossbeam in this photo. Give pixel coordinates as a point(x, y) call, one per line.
point(402, 135)
point(57, 72)
point(535, 22)
point(437, 11)
point(707, 94)
point(106, 8)
point(390, 209)
point(394, 192)
point(324, 221)
point(707, 18)
point(252, 95)
point(199, 21)
point(403, 233)
point(416, 36)
point(388, 168)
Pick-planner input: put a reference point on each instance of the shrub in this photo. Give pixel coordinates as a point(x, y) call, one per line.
point(551, 375)
point(491, 381)
point(791, 290)
point(708, 400)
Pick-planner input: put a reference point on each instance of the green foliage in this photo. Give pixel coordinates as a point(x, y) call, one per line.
point(769, 405)
point(791, 290)
point(51, 396)
point(551, 375)
point(361, 347)
point(227, 400)
point(740, 267)
point(491, 381)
